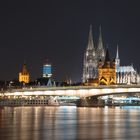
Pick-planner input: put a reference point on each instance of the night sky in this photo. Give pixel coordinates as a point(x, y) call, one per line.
point(34, 31)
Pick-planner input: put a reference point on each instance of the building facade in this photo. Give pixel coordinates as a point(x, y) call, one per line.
point(107, 71)
point(47, 70)
point(91, 57)
point(24, 75)
point(94, 56)
point(125, 74)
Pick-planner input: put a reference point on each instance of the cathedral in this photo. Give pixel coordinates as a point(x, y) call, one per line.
point(92, 56)
point(96, 65)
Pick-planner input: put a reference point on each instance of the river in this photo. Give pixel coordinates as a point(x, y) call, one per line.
point(69, 123)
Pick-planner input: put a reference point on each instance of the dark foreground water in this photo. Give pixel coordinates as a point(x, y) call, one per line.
point(62, 123)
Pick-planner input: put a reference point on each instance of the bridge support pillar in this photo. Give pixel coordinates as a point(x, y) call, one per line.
point(90, 102)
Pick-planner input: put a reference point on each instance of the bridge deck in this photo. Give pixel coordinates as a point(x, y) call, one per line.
point(80, 91)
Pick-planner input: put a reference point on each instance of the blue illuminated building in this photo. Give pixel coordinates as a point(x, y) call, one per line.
point(47, 70)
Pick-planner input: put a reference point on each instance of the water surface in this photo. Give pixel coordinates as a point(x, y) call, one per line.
point(69, 123)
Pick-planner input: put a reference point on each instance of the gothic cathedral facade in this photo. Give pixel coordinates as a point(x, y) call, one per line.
point(92, 56)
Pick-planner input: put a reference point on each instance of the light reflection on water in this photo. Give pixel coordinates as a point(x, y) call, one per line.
point(62, 123)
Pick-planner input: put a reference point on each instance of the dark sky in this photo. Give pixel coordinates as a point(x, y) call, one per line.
point(57, 30)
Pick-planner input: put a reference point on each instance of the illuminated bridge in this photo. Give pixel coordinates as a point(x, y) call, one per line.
point(79, 91)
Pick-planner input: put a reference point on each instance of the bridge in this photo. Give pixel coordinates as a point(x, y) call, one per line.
point(79, 91)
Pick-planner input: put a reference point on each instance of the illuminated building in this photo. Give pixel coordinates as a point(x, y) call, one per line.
point(47, 70)
point(91, 57)
point(24, 75)
point(107, 71)
point(125, 74)
point(46, 80)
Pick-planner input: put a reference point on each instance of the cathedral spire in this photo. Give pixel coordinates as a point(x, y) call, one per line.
point(90, 39)
point(90, 59)
point(100, 48)
point(100, 41)
point(100, 34)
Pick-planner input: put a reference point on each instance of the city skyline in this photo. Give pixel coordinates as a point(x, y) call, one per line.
point(34, 32)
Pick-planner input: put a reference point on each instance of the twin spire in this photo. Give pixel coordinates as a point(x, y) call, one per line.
point(100, 43)
point(90, 40)
point(100, 48)
point(92, 56)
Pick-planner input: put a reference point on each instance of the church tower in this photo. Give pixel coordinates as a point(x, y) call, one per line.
point(24, 75)
point(90, 60)
point(100, 49)
point(107, 72)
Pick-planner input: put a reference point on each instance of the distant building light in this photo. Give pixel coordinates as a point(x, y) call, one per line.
point(47, 70)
